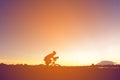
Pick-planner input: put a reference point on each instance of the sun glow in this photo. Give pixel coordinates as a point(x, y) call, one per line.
point(78, 57)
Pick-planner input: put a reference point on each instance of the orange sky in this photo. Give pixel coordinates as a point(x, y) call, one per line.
point(80, 32)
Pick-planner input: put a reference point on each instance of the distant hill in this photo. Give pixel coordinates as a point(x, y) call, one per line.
point(106, 63)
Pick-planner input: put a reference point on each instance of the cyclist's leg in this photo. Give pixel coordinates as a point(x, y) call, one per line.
point(47, 62)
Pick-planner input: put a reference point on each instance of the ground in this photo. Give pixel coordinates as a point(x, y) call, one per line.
point(26, 72)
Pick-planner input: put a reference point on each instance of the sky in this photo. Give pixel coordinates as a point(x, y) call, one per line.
point(82, 32)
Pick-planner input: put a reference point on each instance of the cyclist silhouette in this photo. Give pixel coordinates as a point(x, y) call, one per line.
point(50, 59)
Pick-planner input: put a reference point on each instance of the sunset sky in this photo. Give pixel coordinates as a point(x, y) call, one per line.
point(82, 32)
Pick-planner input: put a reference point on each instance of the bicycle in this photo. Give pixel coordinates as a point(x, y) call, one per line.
point(53, 62)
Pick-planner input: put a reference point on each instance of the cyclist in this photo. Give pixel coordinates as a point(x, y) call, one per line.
point(49, 57)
